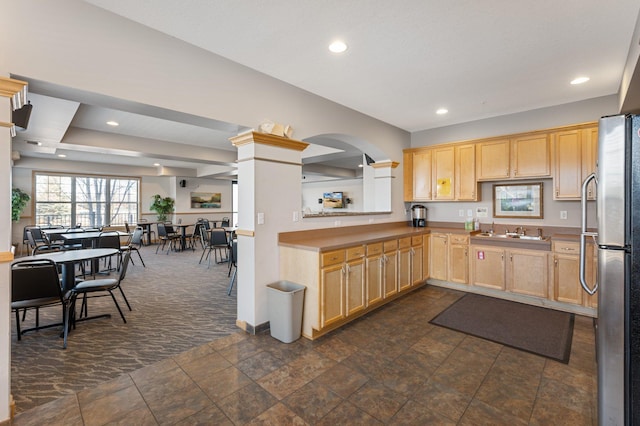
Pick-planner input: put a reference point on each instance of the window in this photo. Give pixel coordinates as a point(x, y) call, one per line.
point(75, 200)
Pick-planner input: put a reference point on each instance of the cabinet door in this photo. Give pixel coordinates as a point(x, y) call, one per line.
point(443, 173)
point(492, 160)
point(589, 158)
point(466, 184)
point(416, 265)
point(390, 274)
point(426, 243)
point(404, 268)
point(354, 272)
point(459, 263)
point(374, 268)
point(527, 272)
point(438, 261)
point(530, 156)
point(487, 267)
point(332, 295)
point(422, 175)
point(566, 284)
point(567, 174)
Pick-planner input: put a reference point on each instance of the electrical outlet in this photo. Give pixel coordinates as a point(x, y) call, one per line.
point(563, 214)
point(296, 216)
point(260, 218)
point(461, 212)
point(469, 213)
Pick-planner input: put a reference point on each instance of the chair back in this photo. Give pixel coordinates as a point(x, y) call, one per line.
point(162, 230)
point(126, 227)
point(123, 267)
point(169, 228)
point(38, 235)
point(137, 236)
point(48, 249)
point(226, 222)
point(218, 237)
point(34, 279)
point(108, 240)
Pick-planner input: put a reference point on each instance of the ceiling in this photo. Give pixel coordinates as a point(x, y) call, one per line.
point(476, 59)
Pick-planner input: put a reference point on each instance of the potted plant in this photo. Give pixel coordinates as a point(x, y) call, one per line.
point(162, 206)
point(19, 200)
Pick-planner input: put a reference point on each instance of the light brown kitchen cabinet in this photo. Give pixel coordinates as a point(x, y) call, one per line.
point(589, 158)
point(332, 288)
point(390, 272)
point(567, 156)
point(487, 267)
point(354, 271)
point(527, 272)
point(416, 260)
point(374, 266)
point(566, 269)
point(417, 175)
point(426, 243)
point(439, 259)
point(465, 180)
point(404, 263)
point(459, 258)
point(492, 159)
point(443, 163)
point(530, 156)
point(523, 156)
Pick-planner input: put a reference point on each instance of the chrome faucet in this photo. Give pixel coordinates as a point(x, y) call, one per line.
point(491, 229)
point(540, 232)
point(520, 230)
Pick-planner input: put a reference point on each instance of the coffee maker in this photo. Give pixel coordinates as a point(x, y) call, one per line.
point(419, 216)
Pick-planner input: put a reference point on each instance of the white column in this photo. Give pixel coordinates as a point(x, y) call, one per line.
point(383, 179)
point(16, 90)
point(269, 197)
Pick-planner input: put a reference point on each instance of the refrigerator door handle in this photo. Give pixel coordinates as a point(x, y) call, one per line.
point(583, 237)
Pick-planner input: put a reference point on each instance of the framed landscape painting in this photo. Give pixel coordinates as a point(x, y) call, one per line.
point(518, 201)
point(206, 200)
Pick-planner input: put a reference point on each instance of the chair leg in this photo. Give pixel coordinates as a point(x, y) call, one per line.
point(140, 256)
point(65, 323)
point(125, 298)
point(233, 278)
point(117, 306)
point(18, 324)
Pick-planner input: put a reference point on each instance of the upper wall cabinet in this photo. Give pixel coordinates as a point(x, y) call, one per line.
point(466, 183)
point(520, 157)
point(574, 158)
point(443, 164)
point(417, 175)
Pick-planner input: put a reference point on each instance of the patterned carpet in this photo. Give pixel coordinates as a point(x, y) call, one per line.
point(177, 305)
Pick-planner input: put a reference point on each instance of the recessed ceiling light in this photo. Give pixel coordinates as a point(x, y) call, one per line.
point(113, 123)
point(360, 165)
point(442, 111)
point(156, 164)
point(62, 156)
point(579, 80)
point(338, 46)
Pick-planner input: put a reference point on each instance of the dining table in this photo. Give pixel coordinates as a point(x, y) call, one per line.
point(183, 233)
point(146, 226)
point(68, 260)
point(89, 236)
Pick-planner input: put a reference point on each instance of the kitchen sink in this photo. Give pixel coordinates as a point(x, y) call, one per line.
point(512, 236)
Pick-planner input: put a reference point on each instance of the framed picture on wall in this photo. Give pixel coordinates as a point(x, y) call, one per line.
point(518, 201)
point(206, 200)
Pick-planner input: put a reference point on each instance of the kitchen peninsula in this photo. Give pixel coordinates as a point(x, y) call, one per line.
point(350, 271)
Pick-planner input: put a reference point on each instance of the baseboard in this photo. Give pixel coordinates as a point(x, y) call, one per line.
point(251, 329)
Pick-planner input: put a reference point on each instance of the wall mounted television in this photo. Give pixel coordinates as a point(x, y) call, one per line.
point(333, 200)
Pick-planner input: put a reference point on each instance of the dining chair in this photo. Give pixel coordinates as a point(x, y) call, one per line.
point(75, 244)
point(217, 243)
point(101, 288)
point(110, 239)
point(134, 244)
point(226, 222)
point(34, 246)
point(167, 237)
point(25, 239)
point(36, 284)
point(147, 231)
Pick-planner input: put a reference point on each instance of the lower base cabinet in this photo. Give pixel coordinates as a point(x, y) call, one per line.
point(566, 273)
point(516, 271)
point(343, 284)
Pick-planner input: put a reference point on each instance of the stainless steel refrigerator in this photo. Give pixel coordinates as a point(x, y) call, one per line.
point(617, 239)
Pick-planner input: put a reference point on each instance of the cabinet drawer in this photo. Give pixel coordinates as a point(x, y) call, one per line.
point(355, 252)
point(458, 239)
point(332, 257)
point(416, 240)
point(373, 249)
point(404, 242)
point(390, 245)
point(566, 247)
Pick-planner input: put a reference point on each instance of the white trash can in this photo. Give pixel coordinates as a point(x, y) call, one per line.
point(285, 300)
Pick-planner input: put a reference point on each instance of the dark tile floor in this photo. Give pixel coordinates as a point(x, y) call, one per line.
point(390, 367)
